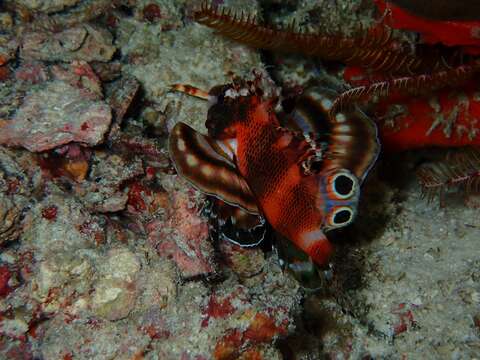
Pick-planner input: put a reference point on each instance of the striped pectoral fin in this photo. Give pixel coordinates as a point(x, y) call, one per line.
point(191, 90)
point(316, 245)
point(308, 113)
point(354, 143)
point(351, 137)
point(201, 161)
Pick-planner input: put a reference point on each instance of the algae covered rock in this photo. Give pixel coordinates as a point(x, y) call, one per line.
point(56, 115)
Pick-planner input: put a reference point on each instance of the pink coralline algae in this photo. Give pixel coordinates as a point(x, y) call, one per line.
point(4, 278)
point(218, 308)
point(32, 72)
point(50, 212)
point(137, 197)
point(183, 237)
point(406, 319)
point(80, 75)
point(259, 327)
point(54, 116)
point(152, 12)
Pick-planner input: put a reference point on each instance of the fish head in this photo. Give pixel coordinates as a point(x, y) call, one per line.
point(232, 105)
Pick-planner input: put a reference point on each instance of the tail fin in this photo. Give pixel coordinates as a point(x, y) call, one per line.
point(316, 245)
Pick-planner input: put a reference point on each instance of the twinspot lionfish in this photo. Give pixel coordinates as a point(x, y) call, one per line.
point(298, 168)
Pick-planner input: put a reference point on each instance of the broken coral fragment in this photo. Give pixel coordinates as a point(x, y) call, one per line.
point(47, 6)
point(80, 75)
point(108, 173)
point(85, 42)
point(56, 115)
point(10, 215)
point(14, 186)
point(71, 229)
point(115, 293)
point(113, 299)
point(245, 262)
point(122, 96)
point(8, 49)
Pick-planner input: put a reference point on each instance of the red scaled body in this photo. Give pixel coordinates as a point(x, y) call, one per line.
point(269, 159)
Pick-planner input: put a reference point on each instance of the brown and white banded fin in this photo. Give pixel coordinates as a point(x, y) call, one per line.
point(351, 137)
point(201, 161)
point(354, 143)
point(191, 90)
point(307, 113)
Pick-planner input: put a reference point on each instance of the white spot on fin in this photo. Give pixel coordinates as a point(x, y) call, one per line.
point(340, 117)
point(192, 160)
point(207, 170)
point(181, 145)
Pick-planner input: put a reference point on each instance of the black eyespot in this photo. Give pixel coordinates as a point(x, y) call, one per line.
point(343, 185)
point(342, 217)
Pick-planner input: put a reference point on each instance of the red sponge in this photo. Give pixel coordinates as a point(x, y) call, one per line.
point(451, 33)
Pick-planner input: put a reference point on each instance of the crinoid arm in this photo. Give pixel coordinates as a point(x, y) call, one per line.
point(460, 170)
point(373, 48)
point(407, 85)
point(349, 138)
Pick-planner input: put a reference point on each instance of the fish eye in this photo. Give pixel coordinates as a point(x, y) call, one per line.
point(341, 216)
point(343, 185)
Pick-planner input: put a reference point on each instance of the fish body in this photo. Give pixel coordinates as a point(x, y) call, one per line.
point(269, 158)
point(299, 184)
